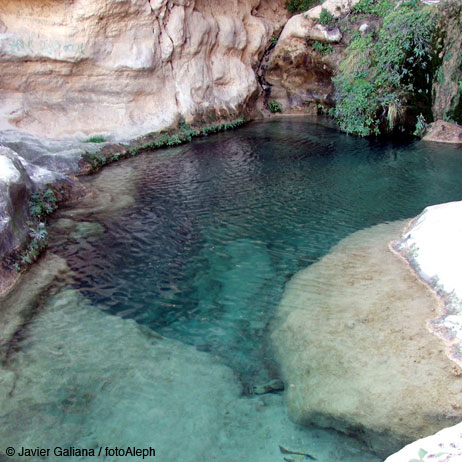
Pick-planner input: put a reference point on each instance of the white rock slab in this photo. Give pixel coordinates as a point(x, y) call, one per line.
point(444, 446)
point(435, 245)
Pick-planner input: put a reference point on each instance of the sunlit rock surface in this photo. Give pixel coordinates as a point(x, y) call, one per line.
point(128, 67)
point(444, 446)
point(444, 132)
point(432, 244)
point(354, 347)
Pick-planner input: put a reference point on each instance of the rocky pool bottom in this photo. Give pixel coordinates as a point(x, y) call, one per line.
point(81, 378)
point(149, 320)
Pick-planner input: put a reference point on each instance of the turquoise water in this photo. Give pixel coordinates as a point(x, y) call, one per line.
point(220, 226)
point(196, 244)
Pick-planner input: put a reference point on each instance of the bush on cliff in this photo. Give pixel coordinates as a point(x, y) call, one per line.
point(387, 72)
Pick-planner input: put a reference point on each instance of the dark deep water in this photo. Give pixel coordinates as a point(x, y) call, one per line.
point(197, 243)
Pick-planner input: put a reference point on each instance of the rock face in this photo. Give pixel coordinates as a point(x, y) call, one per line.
point(304, 60)
point(356, 354)
point(447, 96)
point(444, 132)
point(15, 187)
point(19, 179)
point(128, 67)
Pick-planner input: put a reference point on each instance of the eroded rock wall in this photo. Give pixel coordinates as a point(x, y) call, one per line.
point(306, 57)
point(128, 66)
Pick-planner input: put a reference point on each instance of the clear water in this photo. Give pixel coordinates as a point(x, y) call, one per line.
point(218, 227)
point(198, 241)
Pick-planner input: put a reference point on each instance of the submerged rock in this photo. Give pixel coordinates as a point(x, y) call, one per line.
point(352, 339)
point(109, 383)
point(272, 386)
point(17, 306)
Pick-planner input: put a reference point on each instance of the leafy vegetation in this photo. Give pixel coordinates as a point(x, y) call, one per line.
point(41, 204)
point(183, 134)
point(95, 139)
point(323, 48)
point(326, 18)
point(384, 73)
point(420, 126)
point(373, 7)
point(274, 106)
point(298, 6)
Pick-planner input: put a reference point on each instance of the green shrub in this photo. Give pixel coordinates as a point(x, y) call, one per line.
point(326, 18)
point(274, 107)
point(380, 75)
point(42, 203)
point(364, 7)
point(298, 6)
point(420, 126)
point(323, 48)
point(95, 139)
point(373, 7)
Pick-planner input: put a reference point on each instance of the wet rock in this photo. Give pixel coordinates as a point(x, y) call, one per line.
point(352, 339)
point(447, 90)
point(17, 306)
point(15, 187)
point(444, 132)
point(108, 382)
point(86, 229)
point(60, 156)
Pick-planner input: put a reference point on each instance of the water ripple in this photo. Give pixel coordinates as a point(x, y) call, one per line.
point(218, 227)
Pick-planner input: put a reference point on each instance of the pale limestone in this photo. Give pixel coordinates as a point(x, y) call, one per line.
point(128, 67)
point(444, 446)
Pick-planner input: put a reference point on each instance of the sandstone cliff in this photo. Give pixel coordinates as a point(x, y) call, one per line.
point(128, 66)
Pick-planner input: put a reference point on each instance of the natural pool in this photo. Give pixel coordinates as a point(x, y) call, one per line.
point(196, 244)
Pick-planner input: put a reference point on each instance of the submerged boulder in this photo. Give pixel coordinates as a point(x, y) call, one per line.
point(111, 382)
point(352, 340)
